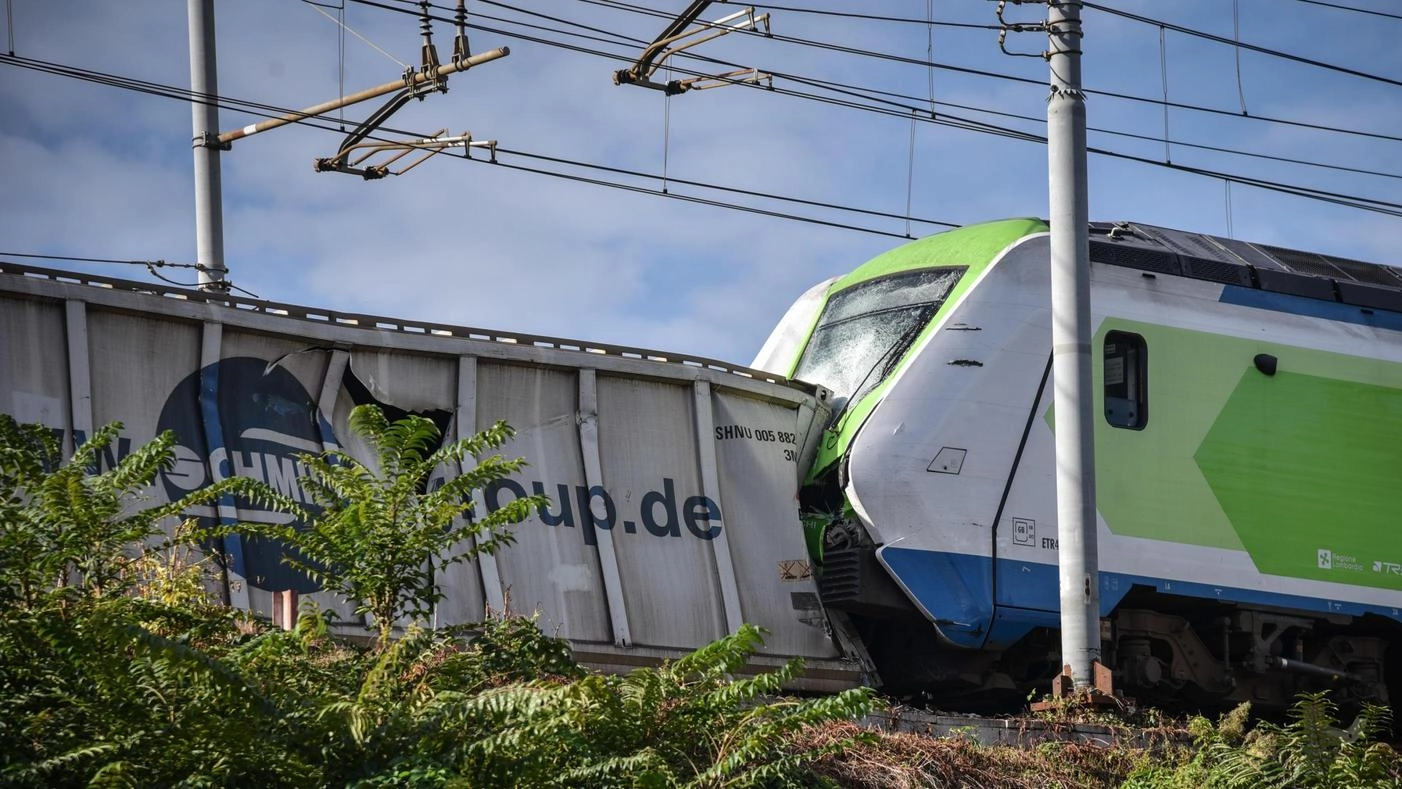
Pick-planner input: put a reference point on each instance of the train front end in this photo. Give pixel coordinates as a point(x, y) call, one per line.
point(905, 563)
point(1245, 542)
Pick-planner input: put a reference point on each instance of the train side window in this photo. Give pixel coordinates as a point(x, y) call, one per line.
point(1126, 380)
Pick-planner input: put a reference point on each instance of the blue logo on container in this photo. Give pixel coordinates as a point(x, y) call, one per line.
point(242, 417)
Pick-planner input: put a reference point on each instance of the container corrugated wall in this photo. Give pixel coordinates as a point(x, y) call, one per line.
point(673, 485)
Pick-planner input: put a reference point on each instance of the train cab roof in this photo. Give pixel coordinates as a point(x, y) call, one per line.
point(1263, 267)
point(971, 245)
point(1159, 250)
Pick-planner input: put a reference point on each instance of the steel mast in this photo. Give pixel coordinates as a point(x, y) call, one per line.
point(204, 106)
point(1071, 345)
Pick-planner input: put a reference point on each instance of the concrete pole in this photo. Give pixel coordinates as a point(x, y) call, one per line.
point(1071, 345)
point(209, 208)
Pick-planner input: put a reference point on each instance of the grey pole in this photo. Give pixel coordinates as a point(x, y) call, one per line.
point(204, 89)
point(1071, 345)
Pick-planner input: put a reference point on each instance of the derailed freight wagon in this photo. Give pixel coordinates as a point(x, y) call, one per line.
point(673, 481)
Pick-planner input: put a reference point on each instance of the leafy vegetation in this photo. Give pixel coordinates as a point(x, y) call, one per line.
point(1308, 751)
point(64, 525)
point(382, 535)
point(118, 668)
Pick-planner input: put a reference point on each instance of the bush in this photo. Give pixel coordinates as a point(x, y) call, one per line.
point(116, 668)
point(1307, 752)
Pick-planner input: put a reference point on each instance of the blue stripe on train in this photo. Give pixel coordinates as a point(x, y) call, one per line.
point(956, 591)
point(1313, 308)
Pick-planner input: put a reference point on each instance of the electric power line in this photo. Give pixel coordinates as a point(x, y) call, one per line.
point(1157, 102)
point(659, 192)
point(903, 110)
point(415, 11)
point(150, 265)
point(955, 122)
point(848, 15)
point(1260, 50)
point(1354, 9)
point(154, 88)
point(225, 102)
point(270, 110)
point(1041, 120)
point(75, 259)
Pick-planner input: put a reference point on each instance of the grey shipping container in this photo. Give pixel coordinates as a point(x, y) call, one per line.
point(673, 480)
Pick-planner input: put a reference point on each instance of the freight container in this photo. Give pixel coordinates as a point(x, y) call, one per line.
point(672, 480)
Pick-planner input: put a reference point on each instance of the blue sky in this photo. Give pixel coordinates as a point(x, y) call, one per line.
point(96, 171)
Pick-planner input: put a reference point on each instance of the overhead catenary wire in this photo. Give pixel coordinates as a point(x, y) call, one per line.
point(789, 9)
point(1038, 83)
point(1353, 201)
point(560, 20)
point(1163, 75)
point(1260, 50)
point(673, 195)
point(1263, 50)
point(340, 23)
point(1336, 198)
point(734, 190)
point(325, 125)
point(1236, 36)
point(1355, 9)
point(967, 25)
point(149, 265)
point(1146, 20)
point(967, 124)
point(895, 108)
point(123, 261)
point(903, 110)
point(984, 73)
point(897, 100)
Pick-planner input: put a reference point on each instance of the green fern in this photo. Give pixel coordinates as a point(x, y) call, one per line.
point(381, 536)
point(68, 528)
point(116, 670)
point(1307, 752)
point(688, 722)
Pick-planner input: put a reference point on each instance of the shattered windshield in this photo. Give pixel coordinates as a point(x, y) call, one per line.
point(866, 329)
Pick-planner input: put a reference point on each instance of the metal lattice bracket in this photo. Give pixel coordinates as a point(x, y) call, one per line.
point(351, 158)
point(681, 35)
point(744, 76)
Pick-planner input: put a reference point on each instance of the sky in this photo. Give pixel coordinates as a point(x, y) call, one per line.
point(96, 171)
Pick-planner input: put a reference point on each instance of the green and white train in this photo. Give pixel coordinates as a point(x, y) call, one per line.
point(1248, 462)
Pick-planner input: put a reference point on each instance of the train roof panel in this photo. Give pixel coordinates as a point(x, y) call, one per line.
point(968, 246)
point(1160, 250)
point(1259, 266)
